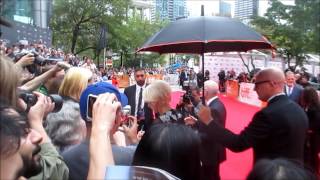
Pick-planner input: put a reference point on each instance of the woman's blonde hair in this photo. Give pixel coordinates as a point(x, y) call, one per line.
point(157, 91)
point(9, 80)
point(74, 82)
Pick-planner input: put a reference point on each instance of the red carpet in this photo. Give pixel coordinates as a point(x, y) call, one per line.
point(239, 115)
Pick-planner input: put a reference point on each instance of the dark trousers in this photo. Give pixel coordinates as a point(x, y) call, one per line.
point(222, 85)
point(210, 172)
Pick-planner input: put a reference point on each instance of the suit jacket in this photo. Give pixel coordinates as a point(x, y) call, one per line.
point(130, 92)
point(212, 152)
point(277, 130)
point(295, 94)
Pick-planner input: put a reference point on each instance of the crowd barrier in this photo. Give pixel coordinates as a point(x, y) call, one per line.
point(232, 87)
point(151, 78)
point(123, 81)
point(244, 92)
point(172, 79)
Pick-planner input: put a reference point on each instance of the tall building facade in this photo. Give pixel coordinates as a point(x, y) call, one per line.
point(29, 18)
point(244, 9)
point(169, 9)
point(142, 8)
point(224, 8)
point(35, 12)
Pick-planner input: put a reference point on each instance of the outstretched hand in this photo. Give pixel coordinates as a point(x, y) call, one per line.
point(104, 113)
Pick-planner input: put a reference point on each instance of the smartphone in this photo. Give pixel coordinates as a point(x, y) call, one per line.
point(125, 113)
point(91, 100)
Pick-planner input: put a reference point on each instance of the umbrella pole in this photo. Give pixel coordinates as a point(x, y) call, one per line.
point(203, 100)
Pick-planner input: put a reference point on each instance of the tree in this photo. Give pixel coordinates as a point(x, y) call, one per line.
point(293, 29)
point(132, 34)
point(76, 23)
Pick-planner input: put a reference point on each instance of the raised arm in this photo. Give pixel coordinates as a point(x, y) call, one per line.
point(100, 145)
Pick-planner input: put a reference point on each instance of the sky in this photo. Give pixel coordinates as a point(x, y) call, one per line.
point(212, 6)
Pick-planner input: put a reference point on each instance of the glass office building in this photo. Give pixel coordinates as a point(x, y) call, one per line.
point(33, 12)
point(224, 8)
point(245, 9)
point(29, 19)
point(170, 9)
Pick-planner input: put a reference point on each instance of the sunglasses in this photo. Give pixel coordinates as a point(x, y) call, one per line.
point(261, 82)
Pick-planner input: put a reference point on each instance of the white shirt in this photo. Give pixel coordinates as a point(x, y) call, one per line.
point(212, 99)
point(289, 90)
point(138, 89)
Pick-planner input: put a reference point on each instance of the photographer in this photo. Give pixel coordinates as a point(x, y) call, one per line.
point(186, 108)
point(212, 154)
point(51, 162)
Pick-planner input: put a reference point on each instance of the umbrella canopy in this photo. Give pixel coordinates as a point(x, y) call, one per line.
point(205, 34)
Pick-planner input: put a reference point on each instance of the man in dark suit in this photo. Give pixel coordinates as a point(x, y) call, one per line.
point(212, 153)
point(291, 89)
point(276, 131)
point(222, 80)
point(134, 93)
point(182, 77)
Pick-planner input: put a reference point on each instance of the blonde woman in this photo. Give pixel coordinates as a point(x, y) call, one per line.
point(158, 96)
point(66, 127)
point(74, 82)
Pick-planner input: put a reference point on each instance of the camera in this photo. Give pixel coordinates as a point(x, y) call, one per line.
point(38, 60)
point(31, 99)
point(187, 97)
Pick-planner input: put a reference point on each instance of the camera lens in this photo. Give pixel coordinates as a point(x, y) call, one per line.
point(29, 98)
point(58, 102)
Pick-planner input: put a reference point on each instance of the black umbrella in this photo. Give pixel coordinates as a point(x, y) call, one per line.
point(202, 34)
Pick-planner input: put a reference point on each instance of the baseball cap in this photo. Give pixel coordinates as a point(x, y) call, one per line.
point(96, 89)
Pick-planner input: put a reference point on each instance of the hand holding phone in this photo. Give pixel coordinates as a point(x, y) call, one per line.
point(104, 112)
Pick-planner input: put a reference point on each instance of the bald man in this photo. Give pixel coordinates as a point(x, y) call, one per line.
point(212, 153)
point(276, 131)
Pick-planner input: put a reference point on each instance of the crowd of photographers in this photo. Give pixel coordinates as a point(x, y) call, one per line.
point(60, 121)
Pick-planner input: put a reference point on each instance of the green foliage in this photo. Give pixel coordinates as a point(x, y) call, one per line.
point(76, 25)
point(293, 29)
point(132, 34)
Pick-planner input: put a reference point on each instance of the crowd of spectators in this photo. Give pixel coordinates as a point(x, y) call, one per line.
point(77, 137)
point(302, 77)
